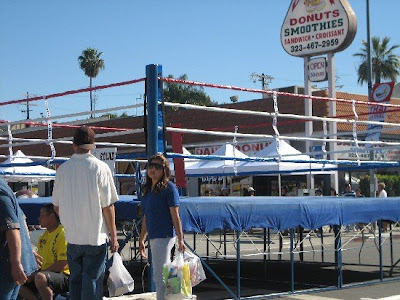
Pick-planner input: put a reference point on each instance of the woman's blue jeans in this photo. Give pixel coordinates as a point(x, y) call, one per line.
point(87, 266)
point(160, 255)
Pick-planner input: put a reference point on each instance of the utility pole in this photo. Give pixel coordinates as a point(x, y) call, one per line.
point(93, 106)
point(28, 110)
point(372, 186)
point(136, 101)
point(265, 79)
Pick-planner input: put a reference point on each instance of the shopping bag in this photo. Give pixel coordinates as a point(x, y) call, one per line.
point(177, 279)
point(119, 281)
point(197, 273)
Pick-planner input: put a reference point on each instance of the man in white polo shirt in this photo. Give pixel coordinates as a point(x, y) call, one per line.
point(84, 195)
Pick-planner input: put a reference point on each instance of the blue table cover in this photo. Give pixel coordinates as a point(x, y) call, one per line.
point(125, 208)
point(206, 214)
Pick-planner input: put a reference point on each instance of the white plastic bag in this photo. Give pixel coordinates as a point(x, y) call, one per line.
point(197, 273)
point(177, 279)
point(119, 281)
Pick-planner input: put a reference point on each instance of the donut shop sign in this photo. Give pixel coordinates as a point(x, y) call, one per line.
point(313, 27)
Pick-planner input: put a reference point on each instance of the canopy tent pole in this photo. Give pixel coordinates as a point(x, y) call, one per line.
point(279, 185)
point(291, 260)
point(238, 265)
point(338, 256)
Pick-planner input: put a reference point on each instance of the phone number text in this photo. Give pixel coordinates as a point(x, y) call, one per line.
point(314, 45)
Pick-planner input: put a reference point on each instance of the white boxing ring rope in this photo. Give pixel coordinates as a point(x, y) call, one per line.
point(64, 140)
point(38, 120)
point(268, 92)
point(268, 136)
point(228, 134)
point(218, 143)
point(324, 140)
point(68, 140)
point(60, 158)
point(267, 114)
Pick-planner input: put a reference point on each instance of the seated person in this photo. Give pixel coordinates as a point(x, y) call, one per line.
point(25, 193)
point(348, 191)
point(284, 191)
point(358, 193)
point(52, 278)
point(224, 191)
point(251, 191)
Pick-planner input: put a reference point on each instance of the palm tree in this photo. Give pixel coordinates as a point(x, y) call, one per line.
point(91, 63)
point(385, 64)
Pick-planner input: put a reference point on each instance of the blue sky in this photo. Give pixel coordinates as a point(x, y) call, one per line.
point(216, 41)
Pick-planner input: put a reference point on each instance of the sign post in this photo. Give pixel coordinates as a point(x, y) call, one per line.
point(318, 27)
point(332, 113)
point(308, 112)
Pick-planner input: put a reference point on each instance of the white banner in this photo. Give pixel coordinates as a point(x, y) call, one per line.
point(380, 154)
point(381, 93)
point(247, 148)
point(108, 155)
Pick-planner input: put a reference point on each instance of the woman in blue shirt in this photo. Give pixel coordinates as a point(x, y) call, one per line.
point(161, 221)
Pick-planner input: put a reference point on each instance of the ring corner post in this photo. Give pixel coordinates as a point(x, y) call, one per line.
point(155, 137)
point(153, 92)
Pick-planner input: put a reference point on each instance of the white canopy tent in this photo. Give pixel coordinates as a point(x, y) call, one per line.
point(188, 161)
point(305, 164)
point(30, 174)
point(217, 167)
point(287, 152)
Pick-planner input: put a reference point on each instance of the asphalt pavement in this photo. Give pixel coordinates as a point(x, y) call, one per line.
point(314, 267)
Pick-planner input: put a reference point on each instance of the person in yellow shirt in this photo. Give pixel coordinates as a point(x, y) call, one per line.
point(52, 278)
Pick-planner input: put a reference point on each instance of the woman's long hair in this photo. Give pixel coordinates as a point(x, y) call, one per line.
point(162, 183)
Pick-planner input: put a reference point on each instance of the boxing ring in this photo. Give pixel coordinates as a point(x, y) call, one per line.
point(241, 215)
point(205, 215)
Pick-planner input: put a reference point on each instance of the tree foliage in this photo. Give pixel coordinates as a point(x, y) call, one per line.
point(385, 64)
point(114, 116)
point(392, 183)
point(91, 63)
point(186, 94)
